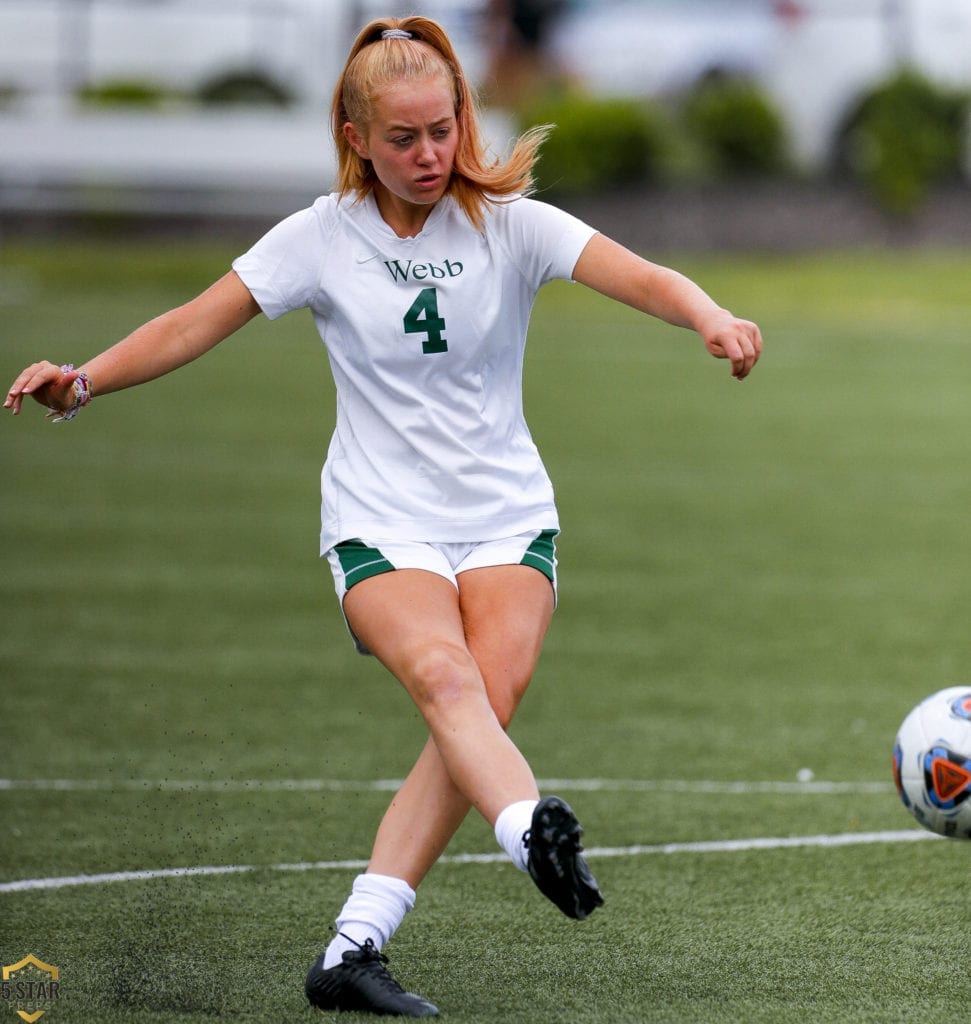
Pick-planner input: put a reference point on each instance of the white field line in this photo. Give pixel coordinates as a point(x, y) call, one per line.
point(719, 846)
point(703, 786)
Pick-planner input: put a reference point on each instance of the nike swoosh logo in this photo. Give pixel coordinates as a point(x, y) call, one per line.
point(367, 257)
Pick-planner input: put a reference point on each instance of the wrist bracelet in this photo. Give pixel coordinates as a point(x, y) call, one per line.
point(82, 395)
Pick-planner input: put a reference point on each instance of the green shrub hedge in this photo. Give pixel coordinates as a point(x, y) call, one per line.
point(238, 87)
point(903, 137)
point(125, 92)
point(738, 129)
point(244, 87)
point(597, 143)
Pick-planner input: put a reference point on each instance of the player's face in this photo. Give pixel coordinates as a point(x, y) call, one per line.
point(411, 143)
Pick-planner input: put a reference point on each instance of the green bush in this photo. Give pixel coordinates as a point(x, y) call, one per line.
point(125, 92)
point(738, 130)
point(246, 87)
point(597, 143)
point(902, 138)
point(9, 94)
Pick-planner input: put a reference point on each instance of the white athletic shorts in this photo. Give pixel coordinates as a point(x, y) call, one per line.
point(352, 561)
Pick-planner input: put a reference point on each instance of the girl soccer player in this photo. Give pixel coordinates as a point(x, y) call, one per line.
point(438, 518)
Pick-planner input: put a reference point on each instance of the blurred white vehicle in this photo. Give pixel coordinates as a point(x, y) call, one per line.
point(50, 47)
point(53, 46)
point(814, 57)
point(652, 47)
point(59, 153)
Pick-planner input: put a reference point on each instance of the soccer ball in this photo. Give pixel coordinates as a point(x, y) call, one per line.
point(932, 762)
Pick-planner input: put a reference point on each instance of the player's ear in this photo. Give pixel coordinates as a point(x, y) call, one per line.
point(355, 140)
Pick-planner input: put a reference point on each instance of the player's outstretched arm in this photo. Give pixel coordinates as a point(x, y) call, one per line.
point(620, 274)
point(154, 349)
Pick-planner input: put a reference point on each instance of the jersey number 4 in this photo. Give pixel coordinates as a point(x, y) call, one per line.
point(423, 318)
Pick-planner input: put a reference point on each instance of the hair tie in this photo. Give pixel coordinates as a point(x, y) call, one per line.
point(396, 33)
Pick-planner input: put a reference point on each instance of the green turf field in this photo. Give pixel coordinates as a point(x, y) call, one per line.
point(755, 580)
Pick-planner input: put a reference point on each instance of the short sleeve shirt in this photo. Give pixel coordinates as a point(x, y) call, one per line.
point(426, 339)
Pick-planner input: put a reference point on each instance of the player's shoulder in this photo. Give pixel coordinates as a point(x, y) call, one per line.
point(309, 220)
point(508, 208)
point(519, 209)
point(523, 220)
point(328, 219)
point(330, 209)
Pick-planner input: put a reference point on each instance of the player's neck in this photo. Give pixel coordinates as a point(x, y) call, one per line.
point(405, 219)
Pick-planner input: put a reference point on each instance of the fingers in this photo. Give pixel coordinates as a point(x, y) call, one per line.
point(44, 382)
point(749, 348)
point(740, 342)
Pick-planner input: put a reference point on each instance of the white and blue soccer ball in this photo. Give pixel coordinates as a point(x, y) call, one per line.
point(932, 762)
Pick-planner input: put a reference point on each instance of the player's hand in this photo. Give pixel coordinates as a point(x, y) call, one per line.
point(45, 383)
point(739, 341)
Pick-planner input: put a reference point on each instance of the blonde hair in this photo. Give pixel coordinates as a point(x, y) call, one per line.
point(377, 62)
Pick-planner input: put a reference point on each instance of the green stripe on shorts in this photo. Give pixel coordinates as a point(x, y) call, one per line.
point(359, 562)
point(541, 554)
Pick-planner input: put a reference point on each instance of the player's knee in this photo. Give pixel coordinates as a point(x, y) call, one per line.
point(443, 679)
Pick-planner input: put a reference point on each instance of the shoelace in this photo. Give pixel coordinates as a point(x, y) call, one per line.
point(372, 962)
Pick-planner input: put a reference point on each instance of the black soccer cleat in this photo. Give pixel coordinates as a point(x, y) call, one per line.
point(555, 863)
point(361, 982)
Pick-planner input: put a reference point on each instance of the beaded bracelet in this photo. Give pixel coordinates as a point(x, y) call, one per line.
point(82, 395)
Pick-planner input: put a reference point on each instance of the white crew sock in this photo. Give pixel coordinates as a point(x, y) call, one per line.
point(511, 827)
point(374, 910)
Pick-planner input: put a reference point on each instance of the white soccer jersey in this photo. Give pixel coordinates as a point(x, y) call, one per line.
point(425, 338)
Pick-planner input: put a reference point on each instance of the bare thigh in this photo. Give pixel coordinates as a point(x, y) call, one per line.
point(428, 634)
point(506, 613)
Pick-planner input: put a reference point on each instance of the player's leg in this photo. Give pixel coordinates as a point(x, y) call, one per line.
point(411, 620)
point(429, 807)
point(553, 856)
point(506, 612)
